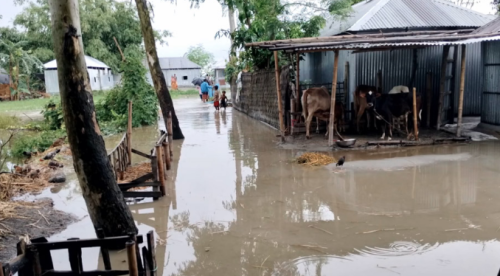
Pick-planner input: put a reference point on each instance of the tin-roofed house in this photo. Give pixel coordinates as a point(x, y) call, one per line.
point(100, 75)
point(401, 66)
point(4, 85)
point(219, 73)
point(182, 67)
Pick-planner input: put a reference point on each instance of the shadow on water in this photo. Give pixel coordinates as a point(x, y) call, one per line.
point(237, 205)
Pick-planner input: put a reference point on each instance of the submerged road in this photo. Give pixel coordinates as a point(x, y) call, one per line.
point(240, 206)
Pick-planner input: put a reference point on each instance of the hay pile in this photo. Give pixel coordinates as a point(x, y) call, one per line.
point(136, 171)
point(315, 159)
point(16, 184)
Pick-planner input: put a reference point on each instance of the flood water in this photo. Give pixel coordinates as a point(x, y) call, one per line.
point(239, 206)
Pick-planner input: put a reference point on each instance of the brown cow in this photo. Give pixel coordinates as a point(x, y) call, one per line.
point(316, 103)
point(360, 103)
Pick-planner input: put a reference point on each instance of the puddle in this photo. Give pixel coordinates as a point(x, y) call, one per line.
point(241, 208)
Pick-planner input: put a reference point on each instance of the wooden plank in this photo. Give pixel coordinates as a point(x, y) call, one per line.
point(150, 237)
point(129, 133)
point(142, 194)
point(108, 242)
point(415, 126)
point(167, 156)
point(461, 96)
point(170, 132)
point(147, 266)
point(125, 186)
point(278, 92)
point(141, 154)
point(75, 258)
point(88, 273)
point(104, 251)
point(35, 260)
point(141, 179)
point(161, 169)
point(333, 98)
point(132, 259)
point(45, 257)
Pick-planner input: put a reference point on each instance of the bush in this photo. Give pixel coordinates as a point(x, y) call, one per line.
point(38, 142)
point(113, 109)
point(53, 115)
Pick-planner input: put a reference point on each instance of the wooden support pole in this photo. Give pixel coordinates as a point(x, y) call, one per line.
point(429, 98)
point(442, 84)
point(161, 168)
point(346, 84)
point(167, 156)
point(170, 133)
point(461, 96)
point(129, 133)
point(297, 83)
point(132, 259)
point(278, 92)
point(333, 97)
point(415, 126)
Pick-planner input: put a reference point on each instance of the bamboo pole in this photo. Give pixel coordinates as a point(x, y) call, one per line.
point(129, 133)
point(346, 84)
point(429, 98)
point(333, 97)
point(442, 84)
point(167, 156)
point(278, 92)
point(297, 83)
point(415, 126)
point(161, 168)
point(170, 133)
point(132, 259)
point(461, 96)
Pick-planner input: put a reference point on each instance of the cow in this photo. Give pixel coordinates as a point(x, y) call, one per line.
point(386, 107)
point(409, 96)
point(361, 104)
point(316, 103)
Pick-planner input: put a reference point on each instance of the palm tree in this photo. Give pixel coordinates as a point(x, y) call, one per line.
point(21, 64)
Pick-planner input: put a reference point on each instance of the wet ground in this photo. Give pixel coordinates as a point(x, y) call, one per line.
point(240, 206)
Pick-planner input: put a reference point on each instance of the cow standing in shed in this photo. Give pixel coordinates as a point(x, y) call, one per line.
point(361, 104)
point(409, 97)
point(316, 103)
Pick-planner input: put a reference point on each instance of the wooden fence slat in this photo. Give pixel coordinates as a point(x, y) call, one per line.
point(142, 178)
point(110, 242)
point(104, 251)
point(88, 273)
point(147, 267)
point(132, 259)
point(167, 156)
point(141, 154)
point(142, 194)
point(150, 237)
point(45, 257)
point(161, 170)
point(75, 258)
point(125, 186)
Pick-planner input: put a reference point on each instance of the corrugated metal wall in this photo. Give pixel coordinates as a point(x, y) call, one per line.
point(190, 74)
point(396, 69)
point(491, 78)
point(51, 82)
point(99, 80)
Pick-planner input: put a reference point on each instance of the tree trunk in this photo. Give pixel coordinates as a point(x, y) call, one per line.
point(103, 197)
point(232, 52)
point(11, 84)
point(166, 103)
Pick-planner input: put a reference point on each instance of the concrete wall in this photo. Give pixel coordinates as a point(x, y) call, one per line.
point(190, 74)
point(258, 98)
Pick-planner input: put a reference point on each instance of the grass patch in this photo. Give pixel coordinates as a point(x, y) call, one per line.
point(37, 104)
point(7, 121)
point(38, 142)
point(184, 93)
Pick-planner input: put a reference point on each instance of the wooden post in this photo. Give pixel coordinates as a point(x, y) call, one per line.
point(461, 96)
point(129, 133)
point(151, 247)
point(429, 98)
point(161, 168)
point(170, 132)
point(346, 85)
point(132, 259)
point(415, 126)
point(297, 83)
point(35, 261)
point(442, 84)
point(278, 92)
point(167, 156)
point(333, 97)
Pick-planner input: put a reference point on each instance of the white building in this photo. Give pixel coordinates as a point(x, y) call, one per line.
point(182, 67)
point(100, 75)
point(219, 72)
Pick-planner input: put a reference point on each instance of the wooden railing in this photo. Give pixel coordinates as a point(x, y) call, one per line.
point(35, 258)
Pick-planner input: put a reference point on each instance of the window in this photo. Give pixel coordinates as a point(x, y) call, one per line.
point(185, 77)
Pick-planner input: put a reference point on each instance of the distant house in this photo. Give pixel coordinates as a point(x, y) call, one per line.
point(100, 75)
point(219, 72)
point(4, 85)
point(182, 67)
point(4, 76)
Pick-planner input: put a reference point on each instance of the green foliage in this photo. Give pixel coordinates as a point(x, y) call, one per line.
point(101, 20)
point(38, 142)
point(200, 56)
point(112, 111)
point(53, 115)
point(7, 121)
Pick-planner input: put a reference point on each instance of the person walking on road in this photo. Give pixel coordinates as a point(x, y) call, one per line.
point(204, 90)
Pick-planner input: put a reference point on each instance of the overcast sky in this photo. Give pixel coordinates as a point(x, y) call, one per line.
point(188, 26)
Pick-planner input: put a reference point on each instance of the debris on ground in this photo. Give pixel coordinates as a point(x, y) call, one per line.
point(136, 171)
point(315, 159)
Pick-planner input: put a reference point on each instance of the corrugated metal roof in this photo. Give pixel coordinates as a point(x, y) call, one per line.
point(90, 61)
point(492, 27)
point(171, 63)
point(397, 14)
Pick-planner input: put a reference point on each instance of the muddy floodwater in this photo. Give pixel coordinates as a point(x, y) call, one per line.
point(240, 206)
